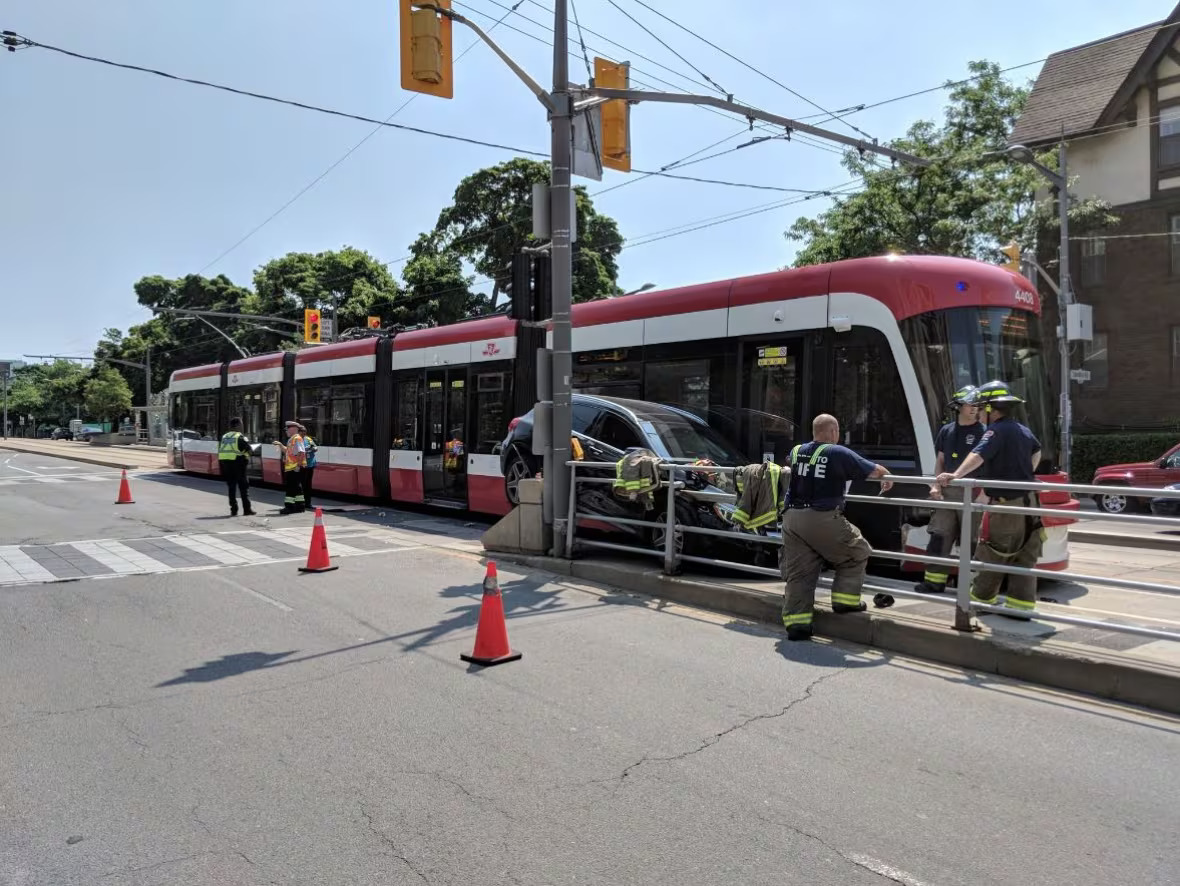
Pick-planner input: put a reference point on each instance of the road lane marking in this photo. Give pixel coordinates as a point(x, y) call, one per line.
point(884, 870)
point(50, 480)
point(253, 593)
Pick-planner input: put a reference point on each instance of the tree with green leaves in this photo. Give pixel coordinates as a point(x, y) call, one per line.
point(52, 392)
point(970, 201)
point(490, 218)
point(107, 395)
point(349, 281)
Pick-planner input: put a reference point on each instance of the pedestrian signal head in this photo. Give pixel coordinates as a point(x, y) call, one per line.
point(1012, 253)
point(427, 60)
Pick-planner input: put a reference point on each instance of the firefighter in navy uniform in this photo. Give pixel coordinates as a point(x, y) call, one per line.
point(233, 455)
point(1007, 451)
point(953, 444)
point(815, 530)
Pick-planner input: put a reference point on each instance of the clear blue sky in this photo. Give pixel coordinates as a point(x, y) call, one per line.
point(110, 175)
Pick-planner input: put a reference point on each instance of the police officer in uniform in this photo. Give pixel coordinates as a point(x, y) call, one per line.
point(233, 454)
point(1007, 451)
point(815, 530)
point(953, 444)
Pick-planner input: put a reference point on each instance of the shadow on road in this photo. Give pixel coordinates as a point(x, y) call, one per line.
point(227, 666)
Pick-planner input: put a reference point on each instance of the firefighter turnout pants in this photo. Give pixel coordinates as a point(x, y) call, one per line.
point(944, 528)
point(810, 539)
point(1010, 540)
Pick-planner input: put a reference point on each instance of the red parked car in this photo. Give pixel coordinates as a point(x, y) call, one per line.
point(1164, 471)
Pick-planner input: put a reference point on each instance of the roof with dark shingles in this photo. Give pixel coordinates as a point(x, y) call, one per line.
point(1075, 86)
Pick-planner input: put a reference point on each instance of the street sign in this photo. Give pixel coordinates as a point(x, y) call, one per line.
point(1079, 375)
point(328, 331)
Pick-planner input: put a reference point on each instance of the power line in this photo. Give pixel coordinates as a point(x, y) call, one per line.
point(760, 73)
point(283, 101)
point(361, 118)
point(662, 43)
point(319, 178)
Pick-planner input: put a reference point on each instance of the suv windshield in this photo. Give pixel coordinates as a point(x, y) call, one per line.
point(687, 439)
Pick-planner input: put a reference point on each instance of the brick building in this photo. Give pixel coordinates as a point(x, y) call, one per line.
point(1116, 102)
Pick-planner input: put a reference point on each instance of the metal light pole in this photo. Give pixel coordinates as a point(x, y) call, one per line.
point(556, 476)
point(1060, 180)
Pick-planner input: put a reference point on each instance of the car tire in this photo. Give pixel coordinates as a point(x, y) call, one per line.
point(685, 517)
point(519, 467)
point(1114, 502)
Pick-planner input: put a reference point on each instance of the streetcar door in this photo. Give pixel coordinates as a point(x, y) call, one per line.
point(444, 455)
point(772, 403)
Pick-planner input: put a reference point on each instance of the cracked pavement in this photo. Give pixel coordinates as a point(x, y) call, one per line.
point(177, 728)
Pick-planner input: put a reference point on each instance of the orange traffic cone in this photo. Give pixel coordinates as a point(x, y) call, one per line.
point(124, 492)
point(491, 634)
point(317, 555)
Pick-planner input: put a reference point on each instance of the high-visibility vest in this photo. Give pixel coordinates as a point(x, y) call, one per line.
point(227, 449)
point(451, 453)
point(293, 460)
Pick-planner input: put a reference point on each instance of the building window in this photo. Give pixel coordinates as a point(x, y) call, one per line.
point(1094, 358)
point(1169, 137)
point(1176, 353)
point(1093, 262)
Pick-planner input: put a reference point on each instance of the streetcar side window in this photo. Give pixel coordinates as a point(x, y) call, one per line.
point(683, 383)
point(406, 411)
point(336, 414)
point(867, 396)
point(491, 411)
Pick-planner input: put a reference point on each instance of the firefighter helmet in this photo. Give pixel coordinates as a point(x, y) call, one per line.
point(965, 396)
point(995, 392)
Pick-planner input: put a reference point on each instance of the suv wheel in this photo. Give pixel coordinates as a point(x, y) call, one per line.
point(1114, 503)
point(519, 468)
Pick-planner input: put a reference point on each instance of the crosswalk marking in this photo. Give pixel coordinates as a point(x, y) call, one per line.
point(50, 480)
point(118, 557)
point(297, 538)
point(25, 566)
point(217, 549)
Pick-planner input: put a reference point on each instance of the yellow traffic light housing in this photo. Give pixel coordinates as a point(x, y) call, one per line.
point(616, 114)
point(311, 327)
point(1012, 251)
point(427, 60)
point(374, 322)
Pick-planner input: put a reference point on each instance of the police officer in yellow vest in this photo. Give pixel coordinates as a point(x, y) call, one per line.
point(233, 455)
point(816, 531)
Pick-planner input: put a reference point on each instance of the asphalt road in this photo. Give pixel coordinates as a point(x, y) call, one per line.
point(252, 725)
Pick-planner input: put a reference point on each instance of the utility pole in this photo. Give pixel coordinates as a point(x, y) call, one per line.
point(427, 67)
point(5, 371)
point(1064, 299)
point(556, 475)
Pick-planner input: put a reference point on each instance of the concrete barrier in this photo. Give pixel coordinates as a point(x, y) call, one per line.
point(1048, 663)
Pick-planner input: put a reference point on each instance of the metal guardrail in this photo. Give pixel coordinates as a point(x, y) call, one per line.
point(674, 532)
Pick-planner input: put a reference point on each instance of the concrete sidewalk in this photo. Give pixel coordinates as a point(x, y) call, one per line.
point(128, 458)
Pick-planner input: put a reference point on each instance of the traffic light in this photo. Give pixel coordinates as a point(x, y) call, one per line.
point(1012, 251)
point(374, 322)
point(311, 327)
point(425, 41)
point(616, 114)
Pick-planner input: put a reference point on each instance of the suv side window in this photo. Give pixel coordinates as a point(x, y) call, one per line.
point(583, 416)
point(616, 432)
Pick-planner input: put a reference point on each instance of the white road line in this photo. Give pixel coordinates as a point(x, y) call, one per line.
point(885, 870)
point(119, 558)
point(217, 549)
point(253, 593)
point(22, 470)
point(50, 480)
point(10, 482)
point(24, 565)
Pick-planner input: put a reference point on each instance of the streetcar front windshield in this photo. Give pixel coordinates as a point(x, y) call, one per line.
point(972, 346)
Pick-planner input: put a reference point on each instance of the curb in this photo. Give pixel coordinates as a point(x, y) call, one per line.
point(1145, 542)
point(90, 460)
point(1063, 666)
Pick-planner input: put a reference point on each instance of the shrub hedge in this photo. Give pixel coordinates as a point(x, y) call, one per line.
point(1092, 451)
